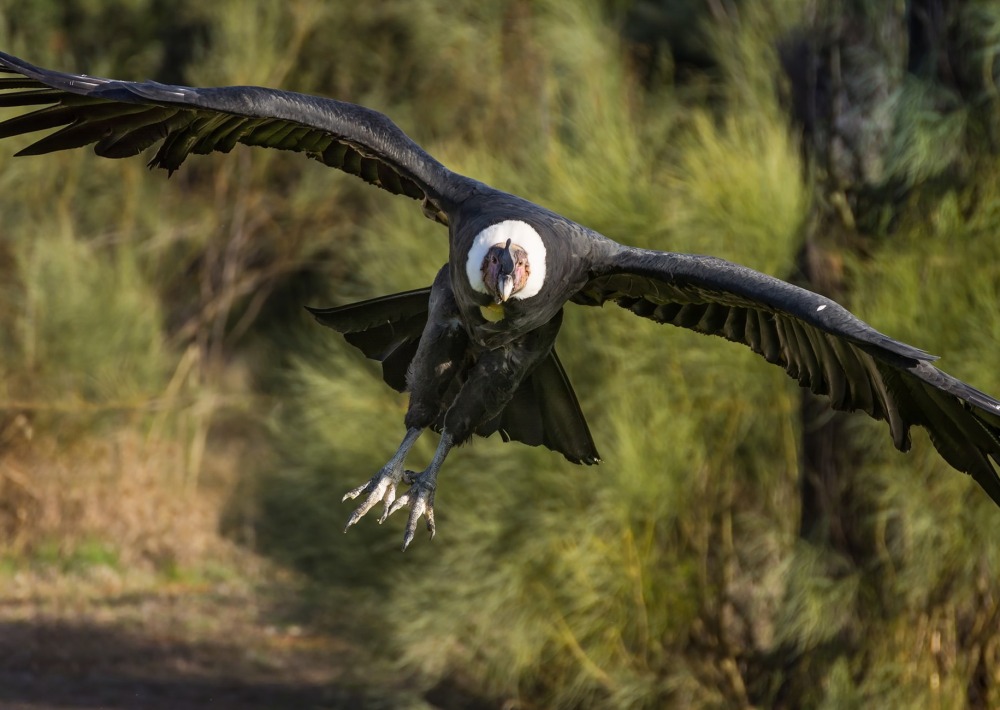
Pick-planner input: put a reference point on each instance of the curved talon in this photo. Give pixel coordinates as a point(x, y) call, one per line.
point(420, 499)
point(381, 487)
point(430, 518)
point(364, 487)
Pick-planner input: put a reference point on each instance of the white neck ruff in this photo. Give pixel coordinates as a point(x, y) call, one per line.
point(519, 233)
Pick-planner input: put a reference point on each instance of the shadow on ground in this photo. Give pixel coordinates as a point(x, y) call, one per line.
point(62, 665)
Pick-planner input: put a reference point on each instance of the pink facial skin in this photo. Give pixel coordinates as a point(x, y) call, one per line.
point(505, 270)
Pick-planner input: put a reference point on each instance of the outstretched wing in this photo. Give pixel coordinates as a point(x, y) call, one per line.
point(543, 412)
point(817, 341)
point(123, 118)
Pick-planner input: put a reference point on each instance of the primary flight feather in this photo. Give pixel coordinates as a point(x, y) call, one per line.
point(475, 350)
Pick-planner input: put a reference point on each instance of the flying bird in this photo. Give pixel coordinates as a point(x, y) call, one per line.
point(475, 350)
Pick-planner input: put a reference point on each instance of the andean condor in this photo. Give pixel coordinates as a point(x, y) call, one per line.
point(475, 350)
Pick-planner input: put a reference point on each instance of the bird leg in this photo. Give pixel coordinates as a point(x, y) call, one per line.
point(382, 486)
point(420, 496)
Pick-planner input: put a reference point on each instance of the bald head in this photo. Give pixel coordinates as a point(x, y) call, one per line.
point(505, 270)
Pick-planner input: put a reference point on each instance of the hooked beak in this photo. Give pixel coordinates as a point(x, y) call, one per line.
point(505, 287)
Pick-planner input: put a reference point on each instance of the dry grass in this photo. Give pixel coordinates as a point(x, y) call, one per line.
point(118, 587)
point(118, 492)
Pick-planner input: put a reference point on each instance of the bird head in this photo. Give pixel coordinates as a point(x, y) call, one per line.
point(505, 270)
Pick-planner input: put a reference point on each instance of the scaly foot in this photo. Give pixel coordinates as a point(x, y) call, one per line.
point(382, 486)
point(420, 497)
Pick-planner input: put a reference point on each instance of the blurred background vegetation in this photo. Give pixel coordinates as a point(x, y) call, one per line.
point(166, 404)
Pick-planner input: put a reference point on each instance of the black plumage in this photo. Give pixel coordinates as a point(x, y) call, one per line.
point(476, 349)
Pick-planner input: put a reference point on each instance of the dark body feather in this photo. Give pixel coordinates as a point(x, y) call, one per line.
point(543, 412)
point(467, 374)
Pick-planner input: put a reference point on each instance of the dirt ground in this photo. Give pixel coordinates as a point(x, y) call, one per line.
point(103, 639)
point(85, 624)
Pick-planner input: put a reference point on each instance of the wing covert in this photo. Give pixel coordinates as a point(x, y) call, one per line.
point(816, 341)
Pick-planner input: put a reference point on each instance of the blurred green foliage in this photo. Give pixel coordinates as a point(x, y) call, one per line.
point(672, 573)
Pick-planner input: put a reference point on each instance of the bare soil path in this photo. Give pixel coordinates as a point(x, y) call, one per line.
point(102, 639)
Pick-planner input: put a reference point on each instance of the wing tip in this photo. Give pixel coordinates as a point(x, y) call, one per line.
point(988, 478)
point(589, 459)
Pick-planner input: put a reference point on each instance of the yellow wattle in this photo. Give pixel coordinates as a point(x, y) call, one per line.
point(493, 312)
